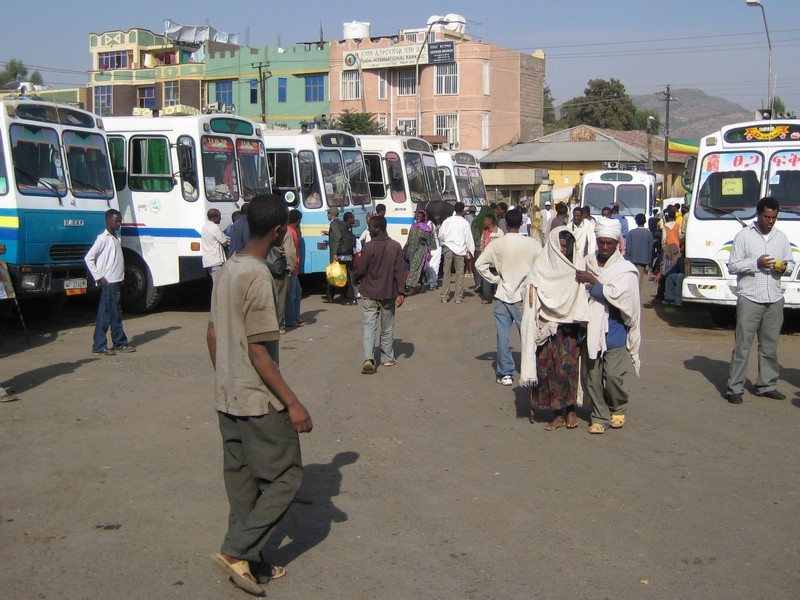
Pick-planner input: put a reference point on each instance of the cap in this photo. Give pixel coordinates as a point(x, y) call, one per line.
point(333, 210)
point(547, 203)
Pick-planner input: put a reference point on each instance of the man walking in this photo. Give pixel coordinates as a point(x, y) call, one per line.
point(613, 331)
point(259, 415)
point(381, 274)
point(639, 247)
point(759, 257)
point(335, 233)
point(457, 242)
point(213, 243)
point(239, 232)
point(506, 263)
point(107, 266)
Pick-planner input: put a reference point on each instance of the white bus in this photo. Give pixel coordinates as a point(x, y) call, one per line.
point(314, 171)
point(633, 191)
point(735, 168)
point(460, 177)
point(403, 176)
point(168, 172)
point(55, 187)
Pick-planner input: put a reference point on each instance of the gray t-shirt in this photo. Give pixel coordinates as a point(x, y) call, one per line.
point(243, 311)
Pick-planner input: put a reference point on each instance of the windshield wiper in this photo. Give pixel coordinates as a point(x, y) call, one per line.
point(36, 181)
point(89, 186)
point(723, 211)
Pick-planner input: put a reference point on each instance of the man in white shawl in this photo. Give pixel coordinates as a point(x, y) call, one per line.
point(584, 234)
point(613, 332)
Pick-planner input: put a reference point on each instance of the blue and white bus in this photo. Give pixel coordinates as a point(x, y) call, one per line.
point(168, 172)
point(314, 171)
point(55, 187)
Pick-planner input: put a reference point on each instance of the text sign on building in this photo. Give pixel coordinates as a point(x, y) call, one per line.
point(441, 52)
point(403, 55)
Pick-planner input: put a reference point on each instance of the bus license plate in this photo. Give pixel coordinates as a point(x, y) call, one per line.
point(75, 284)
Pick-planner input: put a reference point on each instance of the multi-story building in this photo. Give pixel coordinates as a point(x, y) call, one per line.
point(472, 94)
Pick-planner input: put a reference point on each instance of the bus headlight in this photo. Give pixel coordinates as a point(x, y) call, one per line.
point(702, 267)
point(32, 281)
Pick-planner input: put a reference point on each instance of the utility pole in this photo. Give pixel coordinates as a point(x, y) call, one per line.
point(666, 97)
point(262, 85)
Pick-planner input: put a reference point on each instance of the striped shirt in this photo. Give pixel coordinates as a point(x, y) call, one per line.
point(759, 285)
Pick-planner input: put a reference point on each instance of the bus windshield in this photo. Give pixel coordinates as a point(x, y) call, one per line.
point(430, 173)
point(333, 177)
point(357, 175)
point(416, 177)
point(37, 161)
point(784, 182)
point(87, 160)
point(632, 199)
point(253, 167)
point(219, 168)
point(597, 196)
point(729, 185)
point(478, 188)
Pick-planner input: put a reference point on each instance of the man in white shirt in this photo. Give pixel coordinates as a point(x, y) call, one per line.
point(213, 243)
point(458, 244)
point(506, 263)
point(107, 266)
point(547, 216)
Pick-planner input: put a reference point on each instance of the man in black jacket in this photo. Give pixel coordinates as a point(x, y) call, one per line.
point(381, 275)
point(335, 234)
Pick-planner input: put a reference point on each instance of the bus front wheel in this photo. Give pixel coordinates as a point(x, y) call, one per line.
point(139, 295)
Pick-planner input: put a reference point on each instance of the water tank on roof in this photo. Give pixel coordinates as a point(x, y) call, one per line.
point(457, 23)
point(356, 30)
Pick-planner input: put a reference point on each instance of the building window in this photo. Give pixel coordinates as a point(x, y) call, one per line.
point(446, 79)
point(254, 91)
point(122, 59)
point(315, 88)
point(351, 86)
point(146, 97)
point(410, 37)
point(383, 124)
point(407, 82)
point(406, 126)
point(224, 92)
point(486, 88)
point(103, 105)
point(485, 131)
point(282, 86)
point(447, 126)
point(172, 93)
point(382, 85)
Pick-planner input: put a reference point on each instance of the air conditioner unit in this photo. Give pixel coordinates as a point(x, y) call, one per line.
point(213, 107)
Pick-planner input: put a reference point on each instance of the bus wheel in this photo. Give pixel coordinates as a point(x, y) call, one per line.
point(723, 316)
point(139, 295)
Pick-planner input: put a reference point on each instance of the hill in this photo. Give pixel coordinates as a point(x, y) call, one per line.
point(694, 113)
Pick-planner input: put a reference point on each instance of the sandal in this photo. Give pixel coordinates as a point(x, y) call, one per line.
point(596, 428)
point(555, 424)
point(617, 421)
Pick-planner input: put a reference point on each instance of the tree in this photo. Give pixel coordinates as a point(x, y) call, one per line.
point(604, 104)
point(778, 105)
point(356, 123)
point(550, 121)
point(14, 70)
point(640, 120)
point(36, 78)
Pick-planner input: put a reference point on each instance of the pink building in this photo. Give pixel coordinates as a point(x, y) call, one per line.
point(472, 95)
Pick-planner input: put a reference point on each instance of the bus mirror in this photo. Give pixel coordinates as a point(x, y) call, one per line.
point(689, 166)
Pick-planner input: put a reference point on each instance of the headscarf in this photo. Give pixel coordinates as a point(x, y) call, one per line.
point(607, 228)
point(477, 224)
point(421, 224)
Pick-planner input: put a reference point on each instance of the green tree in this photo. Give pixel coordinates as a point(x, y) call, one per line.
point(640, 120)
point(778, 105)
point(356, 122)
point(36, 78)
point(550, 120)
point(14, 70)
point(604, 103)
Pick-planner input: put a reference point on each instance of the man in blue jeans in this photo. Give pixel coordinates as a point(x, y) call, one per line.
point(107, 266)
point(506, 263)
point(381, 275)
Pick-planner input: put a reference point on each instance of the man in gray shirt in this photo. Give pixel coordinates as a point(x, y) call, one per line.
point(760, 255)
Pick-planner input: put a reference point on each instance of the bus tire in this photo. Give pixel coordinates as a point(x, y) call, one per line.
point(723, 316)
point(139, 295)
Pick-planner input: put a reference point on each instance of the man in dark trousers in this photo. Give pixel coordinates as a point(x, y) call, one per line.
point(335, 234)
point(381, 275)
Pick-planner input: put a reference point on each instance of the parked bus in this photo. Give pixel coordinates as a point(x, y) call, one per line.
point(460, 177)
point(314, 171)
point(633, 191)
point(168, 172)
point(735, 168)
point(55, 187)
point(403, 176)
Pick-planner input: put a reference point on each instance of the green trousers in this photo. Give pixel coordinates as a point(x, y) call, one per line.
point(602, 379)
point(263, 471)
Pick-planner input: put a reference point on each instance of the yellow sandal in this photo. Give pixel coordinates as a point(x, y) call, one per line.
point(617, 421)
point(596, 428)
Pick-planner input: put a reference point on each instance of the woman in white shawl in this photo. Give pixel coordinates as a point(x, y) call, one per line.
point(553, 318)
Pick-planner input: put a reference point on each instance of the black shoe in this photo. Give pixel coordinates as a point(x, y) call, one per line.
point(774, 394)
point(735, 398)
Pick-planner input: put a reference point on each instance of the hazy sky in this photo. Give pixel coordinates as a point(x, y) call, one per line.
point(719, 46)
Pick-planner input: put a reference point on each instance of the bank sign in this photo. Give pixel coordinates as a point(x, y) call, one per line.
point(404, 55)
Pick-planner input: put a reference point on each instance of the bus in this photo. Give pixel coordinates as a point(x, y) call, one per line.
point(55, 187)
point(633, 191)
point(402, 175)
point(460, 178)
point(168, 172)
point(313, 171)
point(736, 167)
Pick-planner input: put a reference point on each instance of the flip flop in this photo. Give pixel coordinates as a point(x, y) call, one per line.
point(10, 397)
point(266, 573)
point(617, 421)
point(596, 428)
point(555, 424)
point(239, 573)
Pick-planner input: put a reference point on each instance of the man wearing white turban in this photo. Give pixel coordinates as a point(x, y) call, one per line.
point(613, 332)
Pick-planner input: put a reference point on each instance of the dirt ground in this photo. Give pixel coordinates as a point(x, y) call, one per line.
point(423, 481)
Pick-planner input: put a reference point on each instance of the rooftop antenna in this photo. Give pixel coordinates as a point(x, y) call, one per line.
point(247, 36)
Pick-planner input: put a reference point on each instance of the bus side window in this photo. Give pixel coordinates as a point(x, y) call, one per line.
point(3, 176)
point(149, 165)
point(396, 183)
point(116, 152)
point(187, 168)
point(283, 180)
point(312, 198)
point(377, 187)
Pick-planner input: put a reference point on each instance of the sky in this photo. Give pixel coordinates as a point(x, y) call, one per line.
point(718, 46)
